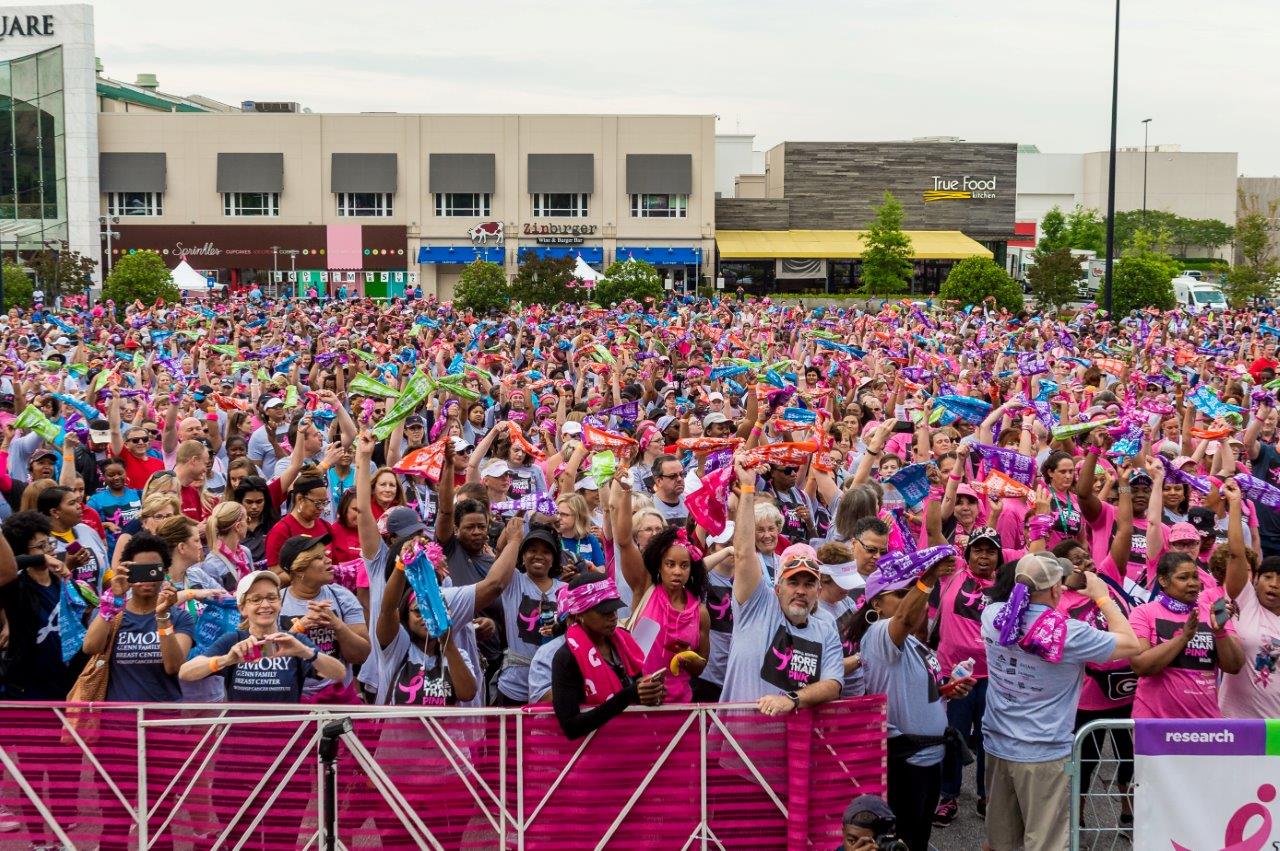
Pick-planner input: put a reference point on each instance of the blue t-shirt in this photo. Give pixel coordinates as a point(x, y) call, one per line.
point(137, 668)
point(278, 679)
point(107, 504)
point(584, 549)
point(1031, 703)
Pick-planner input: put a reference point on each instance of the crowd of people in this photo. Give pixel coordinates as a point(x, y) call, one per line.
point(1009, 525)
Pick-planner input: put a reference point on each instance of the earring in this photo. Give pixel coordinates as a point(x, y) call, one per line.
point(872, 615)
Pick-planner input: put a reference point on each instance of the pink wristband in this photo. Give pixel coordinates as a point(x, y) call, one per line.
point(109, 607)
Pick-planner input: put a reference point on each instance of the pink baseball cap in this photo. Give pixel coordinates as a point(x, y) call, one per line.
point(1183, 532)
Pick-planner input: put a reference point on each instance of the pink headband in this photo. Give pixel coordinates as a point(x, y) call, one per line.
point(682, 538)
point(575, 601)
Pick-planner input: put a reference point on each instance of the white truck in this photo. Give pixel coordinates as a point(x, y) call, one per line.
point(1197, 296)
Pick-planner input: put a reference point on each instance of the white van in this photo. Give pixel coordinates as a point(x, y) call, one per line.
point(1197, 296)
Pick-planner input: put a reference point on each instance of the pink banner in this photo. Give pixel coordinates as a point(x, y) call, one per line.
point(469, 780)
point(345, 248)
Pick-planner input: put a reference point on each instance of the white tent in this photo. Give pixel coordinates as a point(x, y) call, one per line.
point(188, 279)
point(585, 273)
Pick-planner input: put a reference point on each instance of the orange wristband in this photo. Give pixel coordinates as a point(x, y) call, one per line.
point(746, 488)
point(920, 586)
point(400, 565)
point(214, 665)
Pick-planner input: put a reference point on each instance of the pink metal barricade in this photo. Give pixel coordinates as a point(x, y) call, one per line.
point(680, 777)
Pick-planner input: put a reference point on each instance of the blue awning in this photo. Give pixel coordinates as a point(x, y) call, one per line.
point(462, 254)
point(590, 253)
point(662, 255)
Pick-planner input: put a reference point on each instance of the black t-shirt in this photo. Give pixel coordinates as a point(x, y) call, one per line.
point(1268, 460)
point(467, 569)
point(36, 670)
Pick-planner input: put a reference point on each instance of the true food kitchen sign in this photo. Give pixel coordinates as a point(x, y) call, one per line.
point(965, 188)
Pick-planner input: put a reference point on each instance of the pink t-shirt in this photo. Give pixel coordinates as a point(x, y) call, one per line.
point(1255, 691)
point(1012, 524)
point(1067, 519)
point(1100, 529)
point(960, 630)
point(1187, 687)
point(1107, 685)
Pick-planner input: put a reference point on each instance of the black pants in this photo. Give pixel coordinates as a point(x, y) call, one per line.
point(913, 796)
point(1091, 747)
point(705, 692)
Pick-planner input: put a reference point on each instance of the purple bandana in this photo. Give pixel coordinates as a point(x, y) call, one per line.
point(1176, 606)
point(1047, 635)
point(895, 567)
point(1016, 466)
point(539, 502)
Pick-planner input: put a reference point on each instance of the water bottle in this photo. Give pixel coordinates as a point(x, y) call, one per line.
point(963, 669)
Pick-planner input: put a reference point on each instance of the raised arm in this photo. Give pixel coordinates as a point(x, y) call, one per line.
point(630, 563)
point(1090, 505)
point(504, 566)
point(113, 419)
point(1237, 563)
point(915, 606)
point(370, 539)
point(747, 571)
point(444, 492)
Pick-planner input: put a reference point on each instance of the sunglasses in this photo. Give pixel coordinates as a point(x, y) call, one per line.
point(875, 551)
point(138, 440)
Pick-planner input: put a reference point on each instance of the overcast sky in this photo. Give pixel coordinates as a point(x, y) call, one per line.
point(1025, 71)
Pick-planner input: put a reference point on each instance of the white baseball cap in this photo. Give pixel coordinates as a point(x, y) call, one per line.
point(273, 402)
point(571, 427)
point(715, 397)
point(243, 586)
point(844, 574)
point(495, 468)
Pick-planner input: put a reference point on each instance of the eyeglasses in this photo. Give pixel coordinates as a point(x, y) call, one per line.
point(163, 516)
point(257, 599)
point(790, 471)
point(48, 546)
point(670, 475)
point(154, 432)
point(875, 551)
point(137, 440)
point(318, 502)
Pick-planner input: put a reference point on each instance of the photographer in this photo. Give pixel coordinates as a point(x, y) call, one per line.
point(869, 825)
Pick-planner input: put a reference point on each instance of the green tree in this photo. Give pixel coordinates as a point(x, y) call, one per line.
point(1086, 230)
point(1053, 230)
point(143, 277)
point(1053, 278)
point(62, 271)
point(630, 279)
point(545, 280)
point(1256, 268)
point(886, 252)
point(482, 287)
point(1143, 277)
point(1179, 232)
point(975, 279)
point(17, 287)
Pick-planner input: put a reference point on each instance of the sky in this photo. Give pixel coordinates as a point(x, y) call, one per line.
point(1030, 71)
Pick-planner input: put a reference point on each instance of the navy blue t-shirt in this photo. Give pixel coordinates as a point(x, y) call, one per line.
point(277, 679)
point(137, 668)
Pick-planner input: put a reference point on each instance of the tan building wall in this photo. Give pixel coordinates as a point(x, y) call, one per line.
point(192, 142)
point(749, 186)
point(1191, 184)
point(1262, 195)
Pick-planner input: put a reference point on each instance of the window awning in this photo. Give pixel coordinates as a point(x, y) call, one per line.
point(461, 254)
point(590, 253)
point(363, 173)
point(561, 173)
point(839, 244)
point(659, 174)
point(661, 255)
point(131, 172)
point(463, 173)
point(250, 172)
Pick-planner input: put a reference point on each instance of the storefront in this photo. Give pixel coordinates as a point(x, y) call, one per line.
point(366, 259)
point(806, 234)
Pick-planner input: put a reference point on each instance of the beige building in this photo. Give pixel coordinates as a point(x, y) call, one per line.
point(380, 201)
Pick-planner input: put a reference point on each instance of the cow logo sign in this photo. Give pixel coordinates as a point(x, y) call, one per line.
point(486, 233)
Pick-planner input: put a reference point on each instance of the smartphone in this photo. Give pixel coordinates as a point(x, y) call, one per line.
point(904, 427)
point(1220, 613)
point(1076, 580)
point(145, 572)
point(74, 547)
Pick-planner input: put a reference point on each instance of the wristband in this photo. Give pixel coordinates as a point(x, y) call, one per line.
point(1101, 601)
point(746, 489)
point(953, 477)
point(920, 586)
point(400, 565)
point(298, 628)
point(756, 431)
point(1124, 490)
point(1093, 449)
point(875, 454)
point(164, 631)
point(109, 607)
point(214, 664)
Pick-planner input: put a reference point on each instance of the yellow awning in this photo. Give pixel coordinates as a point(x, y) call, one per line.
point(839, 245)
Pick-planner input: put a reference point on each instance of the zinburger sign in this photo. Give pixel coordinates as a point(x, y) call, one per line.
point(531, 229)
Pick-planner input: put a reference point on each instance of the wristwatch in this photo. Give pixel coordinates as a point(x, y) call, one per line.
point(315, 654)
point(794, 698)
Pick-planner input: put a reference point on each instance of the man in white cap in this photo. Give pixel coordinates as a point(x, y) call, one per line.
point(1035, 662)
point(840, 578)
point(496, 475)
point(264, 448)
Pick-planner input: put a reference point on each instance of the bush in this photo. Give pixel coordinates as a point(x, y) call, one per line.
point(18, 291)
point(630, 279)
point(1142, 281)
point(975, 279)
point(143, 277)
point(482, 287)
point(545, 281)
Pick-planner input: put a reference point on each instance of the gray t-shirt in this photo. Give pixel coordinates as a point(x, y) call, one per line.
point(843, 612)
point(410, 678)
point(523, 604)
point(909, 677)
point(771, 655)
point(720, 608)
point(344, 604)
point(540, 668)
point(260, 451)
point(675, 515)
point(1031, 703)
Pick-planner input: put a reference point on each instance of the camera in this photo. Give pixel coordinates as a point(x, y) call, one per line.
point(890, 842)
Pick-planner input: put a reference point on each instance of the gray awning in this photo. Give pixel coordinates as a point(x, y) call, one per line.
point(131, 172)
point(659, 174)
point(363, 173)
point(462, 173)
point(250, 172)
point(561, 173)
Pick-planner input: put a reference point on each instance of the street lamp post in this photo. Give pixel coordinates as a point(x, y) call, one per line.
point(1111, 171)
point(1146, 126)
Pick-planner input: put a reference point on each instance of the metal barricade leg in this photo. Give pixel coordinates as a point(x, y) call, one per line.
point(1102, 759)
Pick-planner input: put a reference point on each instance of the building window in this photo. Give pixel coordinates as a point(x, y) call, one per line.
point(566, 204)
point(659, 206)
point(463, 204)
point(364, 203)
point(135, 203)
point(251, 203)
